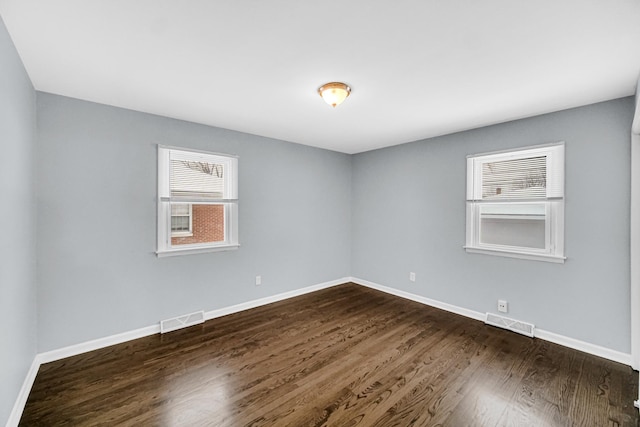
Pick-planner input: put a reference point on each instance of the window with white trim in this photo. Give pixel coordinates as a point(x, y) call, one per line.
point(197, 201)
point(515, 203)
point(181, 220)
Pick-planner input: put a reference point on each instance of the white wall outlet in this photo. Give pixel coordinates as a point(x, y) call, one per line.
point(258, 280)
point(503, 306)
point(412, 276)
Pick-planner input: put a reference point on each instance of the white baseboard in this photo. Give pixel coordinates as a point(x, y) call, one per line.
point(18, 406)
point(575, 344)
point(271, 299)
point(96, 344)
point(80, 348)
point(596, 350)
point(73, 350)
point(423, 300)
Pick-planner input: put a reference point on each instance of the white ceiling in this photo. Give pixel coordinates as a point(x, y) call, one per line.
point(418, 68)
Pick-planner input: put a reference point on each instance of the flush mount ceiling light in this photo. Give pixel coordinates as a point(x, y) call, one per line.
point(334, 93)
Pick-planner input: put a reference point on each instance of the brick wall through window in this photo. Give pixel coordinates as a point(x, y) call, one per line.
point(207, 225)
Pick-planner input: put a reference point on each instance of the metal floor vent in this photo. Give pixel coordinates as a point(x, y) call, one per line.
point(523, 328)
point(180, 322)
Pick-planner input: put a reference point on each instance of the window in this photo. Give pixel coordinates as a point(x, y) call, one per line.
point(181, 220)
point(515, 203)
point(197, 202)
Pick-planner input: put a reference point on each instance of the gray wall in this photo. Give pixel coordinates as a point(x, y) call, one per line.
point(17, 216)
point(98, 274)
point(301, 223)
point(409, 215)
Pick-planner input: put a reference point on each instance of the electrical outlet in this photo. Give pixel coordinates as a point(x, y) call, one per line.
point(503, 306)
point(412, 276)
point(258, 280)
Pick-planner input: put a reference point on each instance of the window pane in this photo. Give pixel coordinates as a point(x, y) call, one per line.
point(197, 179)
point(207, 225)
point(197, 202)
point(181, 209)
point(180, 218)
point(515, 179)
point(513, 224)
point(179, 223)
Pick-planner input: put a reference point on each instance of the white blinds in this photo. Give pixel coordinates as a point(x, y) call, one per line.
point(529, 174)
point(524, 178)
point(197, 179)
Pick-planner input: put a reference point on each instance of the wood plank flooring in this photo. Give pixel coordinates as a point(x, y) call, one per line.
point(344, 356)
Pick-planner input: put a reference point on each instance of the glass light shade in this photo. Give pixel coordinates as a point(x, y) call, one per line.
point(334, 93)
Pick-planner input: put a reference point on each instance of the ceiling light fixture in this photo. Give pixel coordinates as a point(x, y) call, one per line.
point(334, 93)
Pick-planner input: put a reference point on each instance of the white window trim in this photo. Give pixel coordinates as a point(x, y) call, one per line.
point(164, 234)
point(554, 205)
point(189, 251)
point(515, 254)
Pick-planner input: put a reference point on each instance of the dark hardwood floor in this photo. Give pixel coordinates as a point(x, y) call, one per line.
point(344, 356)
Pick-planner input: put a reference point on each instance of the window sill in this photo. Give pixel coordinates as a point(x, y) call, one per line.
point(515, 254)
point(189, 251)
point(182, 234)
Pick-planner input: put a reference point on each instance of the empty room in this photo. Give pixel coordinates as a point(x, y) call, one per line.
point(243, 213)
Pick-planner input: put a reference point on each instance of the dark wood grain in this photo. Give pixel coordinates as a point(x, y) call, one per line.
point(344, 356)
